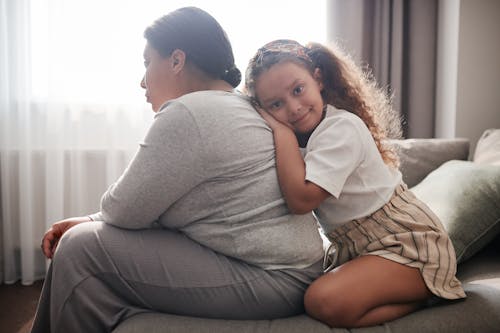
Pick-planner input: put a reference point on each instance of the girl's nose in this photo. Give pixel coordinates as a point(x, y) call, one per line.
point(143, 82)
point(294, 108)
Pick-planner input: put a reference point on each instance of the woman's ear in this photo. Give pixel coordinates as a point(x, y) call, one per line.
point(178, 58)
point(318, 77)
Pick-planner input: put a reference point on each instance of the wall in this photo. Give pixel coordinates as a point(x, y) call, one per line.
point(478, 80)
point(475, 95)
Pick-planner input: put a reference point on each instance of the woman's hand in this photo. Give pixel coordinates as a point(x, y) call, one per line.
point(54, 234)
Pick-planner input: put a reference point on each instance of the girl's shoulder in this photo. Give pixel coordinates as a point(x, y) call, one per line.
point(341, 118)
point(333, 113)
point(340, 127)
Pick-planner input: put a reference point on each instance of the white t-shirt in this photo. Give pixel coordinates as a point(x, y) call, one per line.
point(342, 158)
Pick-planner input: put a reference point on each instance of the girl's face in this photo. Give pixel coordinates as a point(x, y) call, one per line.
point(292, 95)
point(159, 79)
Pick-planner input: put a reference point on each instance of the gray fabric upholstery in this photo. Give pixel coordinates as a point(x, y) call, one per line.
point(482, 309)
point(418, 157)
point(488, 148)
point(480, 312)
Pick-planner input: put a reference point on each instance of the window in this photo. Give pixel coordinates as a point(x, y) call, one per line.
point(72, 110)
point(91, 51)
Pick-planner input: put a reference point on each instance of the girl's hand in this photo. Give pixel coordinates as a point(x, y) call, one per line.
point(274, 123)
point(54, 234)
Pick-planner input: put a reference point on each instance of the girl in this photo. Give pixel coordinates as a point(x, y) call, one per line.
point(389, 252)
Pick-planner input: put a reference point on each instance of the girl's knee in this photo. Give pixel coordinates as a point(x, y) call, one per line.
point(322, 304)
point(332, 307)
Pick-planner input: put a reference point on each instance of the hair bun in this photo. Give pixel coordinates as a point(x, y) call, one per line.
point(232, 76)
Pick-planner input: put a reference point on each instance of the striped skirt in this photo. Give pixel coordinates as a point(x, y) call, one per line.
point(406, 231)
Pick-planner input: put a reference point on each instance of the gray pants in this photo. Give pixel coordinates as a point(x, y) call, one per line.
point(101, 275)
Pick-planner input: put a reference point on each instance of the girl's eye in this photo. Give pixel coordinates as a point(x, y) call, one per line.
point(275, 105)
point(298, 90)
point(146, 63)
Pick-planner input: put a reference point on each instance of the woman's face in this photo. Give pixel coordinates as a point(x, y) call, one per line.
point(292, 95)
point(159, 79)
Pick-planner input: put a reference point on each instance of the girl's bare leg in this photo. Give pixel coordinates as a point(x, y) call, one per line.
point(366, 291)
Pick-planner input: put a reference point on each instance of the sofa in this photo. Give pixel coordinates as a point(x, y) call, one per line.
point(464, 191)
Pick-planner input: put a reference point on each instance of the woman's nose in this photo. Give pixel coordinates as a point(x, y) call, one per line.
point(143, 82)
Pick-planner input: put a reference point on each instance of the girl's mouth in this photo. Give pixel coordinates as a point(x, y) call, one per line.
point(298, 120)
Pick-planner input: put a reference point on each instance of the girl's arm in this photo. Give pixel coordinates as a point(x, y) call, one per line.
point(301, 195)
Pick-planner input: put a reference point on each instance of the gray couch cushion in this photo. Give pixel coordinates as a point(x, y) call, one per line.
point(420, 156)
point(480, 308)
point(488, 148)
point(479, 312)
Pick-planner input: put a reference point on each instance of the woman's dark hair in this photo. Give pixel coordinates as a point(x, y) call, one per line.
point(202, 39)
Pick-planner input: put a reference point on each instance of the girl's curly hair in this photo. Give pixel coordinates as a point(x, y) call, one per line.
point(346, 86)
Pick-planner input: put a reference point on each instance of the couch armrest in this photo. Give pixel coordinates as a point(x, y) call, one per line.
point(421, 156)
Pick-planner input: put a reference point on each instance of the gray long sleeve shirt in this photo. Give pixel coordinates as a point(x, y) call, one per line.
point(207, 168)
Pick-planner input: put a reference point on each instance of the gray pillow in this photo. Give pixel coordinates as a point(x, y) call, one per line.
point(488, 148)
point(466, 197)
point(418, 157)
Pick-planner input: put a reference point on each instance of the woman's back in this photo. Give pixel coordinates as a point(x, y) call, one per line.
point(225, 195)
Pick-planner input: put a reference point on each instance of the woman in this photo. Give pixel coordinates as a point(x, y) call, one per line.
point(196, 225)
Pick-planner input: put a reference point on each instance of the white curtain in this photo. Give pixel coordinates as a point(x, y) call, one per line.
point(72, 111)
point(411, 48)
point(62, 142)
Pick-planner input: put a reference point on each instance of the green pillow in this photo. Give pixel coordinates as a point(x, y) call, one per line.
point(466, 197)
